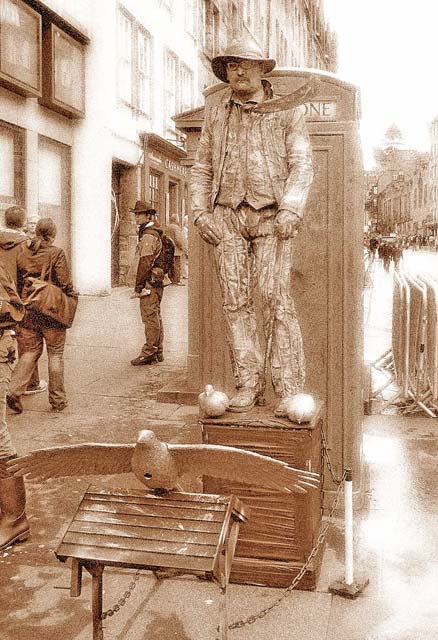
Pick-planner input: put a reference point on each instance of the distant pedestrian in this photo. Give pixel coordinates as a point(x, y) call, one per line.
point(14, 526)
point(185, 256)
point(173, 230)
point(149, 282)
point(41, 256)
point(31, 224)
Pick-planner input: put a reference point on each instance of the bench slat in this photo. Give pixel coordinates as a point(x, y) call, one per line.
point(134, 559)
point(140, 544)
point(146, 533)
point(148, 521)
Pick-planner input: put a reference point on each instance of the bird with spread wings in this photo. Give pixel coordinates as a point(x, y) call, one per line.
point(158, 465)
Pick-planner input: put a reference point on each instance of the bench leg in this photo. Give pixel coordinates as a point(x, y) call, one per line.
point(223, 614)
point(96, 572)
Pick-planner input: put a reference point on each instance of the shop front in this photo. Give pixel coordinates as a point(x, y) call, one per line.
point(165, 177)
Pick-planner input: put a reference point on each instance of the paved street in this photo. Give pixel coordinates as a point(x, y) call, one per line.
point(395, 530)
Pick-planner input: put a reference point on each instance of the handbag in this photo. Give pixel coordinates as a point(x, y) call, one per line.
point(49, 300)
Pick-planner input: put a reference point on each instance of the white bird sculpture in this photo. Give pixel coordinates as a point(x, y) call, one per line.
point(158, 465)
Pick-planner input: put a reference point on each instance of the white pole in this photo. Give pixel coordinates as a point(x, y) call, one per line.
point(348, 507)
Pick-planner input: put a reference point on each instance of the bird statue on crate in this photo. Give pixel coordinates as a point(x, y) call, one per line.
point(158, 465)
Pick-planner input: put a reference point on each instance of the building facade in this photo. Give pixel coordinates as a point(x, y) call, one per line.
point(293, 32)
point(88, 91)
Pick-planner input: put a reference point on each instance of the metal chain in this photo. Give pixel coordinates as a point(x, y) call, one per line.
point(327, 459)
point(123, 600)
point(321, 537)
point(238, 624)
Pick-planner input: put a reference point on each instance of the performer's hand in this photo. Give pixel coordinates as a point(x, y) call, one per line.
point(286, 224)
point(206, 228)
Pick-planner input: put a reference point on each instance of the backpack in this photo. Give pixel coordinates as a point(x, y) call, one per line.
point(166, 257)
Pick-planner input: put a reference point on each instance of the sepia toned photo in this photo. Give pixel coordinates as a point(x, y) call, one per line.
point(218, 320)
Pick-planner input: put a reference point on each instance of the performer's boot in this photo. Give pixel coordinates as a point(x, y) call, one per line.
point(14, 526)
point(245, 399)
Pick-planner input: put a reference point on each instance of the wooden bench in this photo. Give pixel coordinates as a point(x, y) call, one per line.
point(184, 533)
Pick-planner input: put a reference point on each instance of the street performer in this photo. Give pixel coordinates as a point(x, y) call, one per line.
point(249, 186)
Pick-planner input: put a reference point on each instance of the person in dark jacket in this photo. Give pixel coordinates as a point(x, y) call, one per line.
point(11, 241)
point(12, 238)
point(41, 256)
point(14, 526)
point(149, 283)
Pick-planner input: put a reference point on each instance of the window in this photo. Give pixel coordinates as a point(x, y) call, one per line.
point(170, 89)
point(154, 189)
point(125, 57)
point(190, 15)
point(235, 26)
point(144, 70)
point(210, 20)
point(186, 88)
point(168, 5)
point(134, 63)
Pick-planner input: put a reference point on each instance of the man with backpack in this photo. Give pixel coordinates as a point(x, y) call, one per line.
point(155, 253)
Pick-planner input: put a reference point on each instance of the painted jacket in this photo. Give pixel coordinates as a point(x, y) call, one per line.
point(286, 146)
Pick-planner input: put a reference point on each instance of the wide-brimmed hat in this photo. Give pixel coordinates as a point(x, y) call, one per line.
point(242, 48)
point(143, 207)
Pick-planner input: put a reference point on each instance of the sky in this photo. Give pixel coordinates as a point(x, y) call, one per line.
point(388, 48)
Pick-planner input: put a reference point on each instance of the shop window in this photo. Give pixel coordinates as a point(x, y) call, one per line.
point(20, 48)
point(154, 189)
point(11, 164)
point(54, 176)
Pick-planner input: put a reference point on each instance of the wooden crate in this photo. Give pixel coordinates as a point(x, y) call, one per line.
point(283, 528)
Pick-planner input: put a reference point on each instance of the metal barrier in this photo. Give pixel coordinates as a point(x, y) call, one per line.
point(411, 365)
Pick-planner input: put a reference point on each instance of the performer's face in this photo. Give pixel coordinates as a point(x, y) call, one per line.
point(244, 76)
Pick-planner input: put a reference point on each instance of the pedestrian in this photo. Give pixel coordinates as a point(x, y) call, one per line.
point(185, 256)
point(149, 282)
point(249, 186)
point(31, 224)
point(174, 231)
point(11, 240)
point(41, 257)
point(14, 526)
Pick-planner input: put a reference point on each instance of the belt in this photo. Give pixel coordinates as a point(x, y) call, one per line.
point(244, 203)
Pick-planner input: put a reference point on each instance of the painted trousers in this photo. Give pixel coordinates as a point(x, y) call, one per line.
point(8, 345)
point(150, 310)
point(31, 338)
point(250, 260)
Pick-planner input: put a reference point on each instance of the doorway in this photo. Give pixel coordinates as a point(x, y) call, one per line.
point(115, 224)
